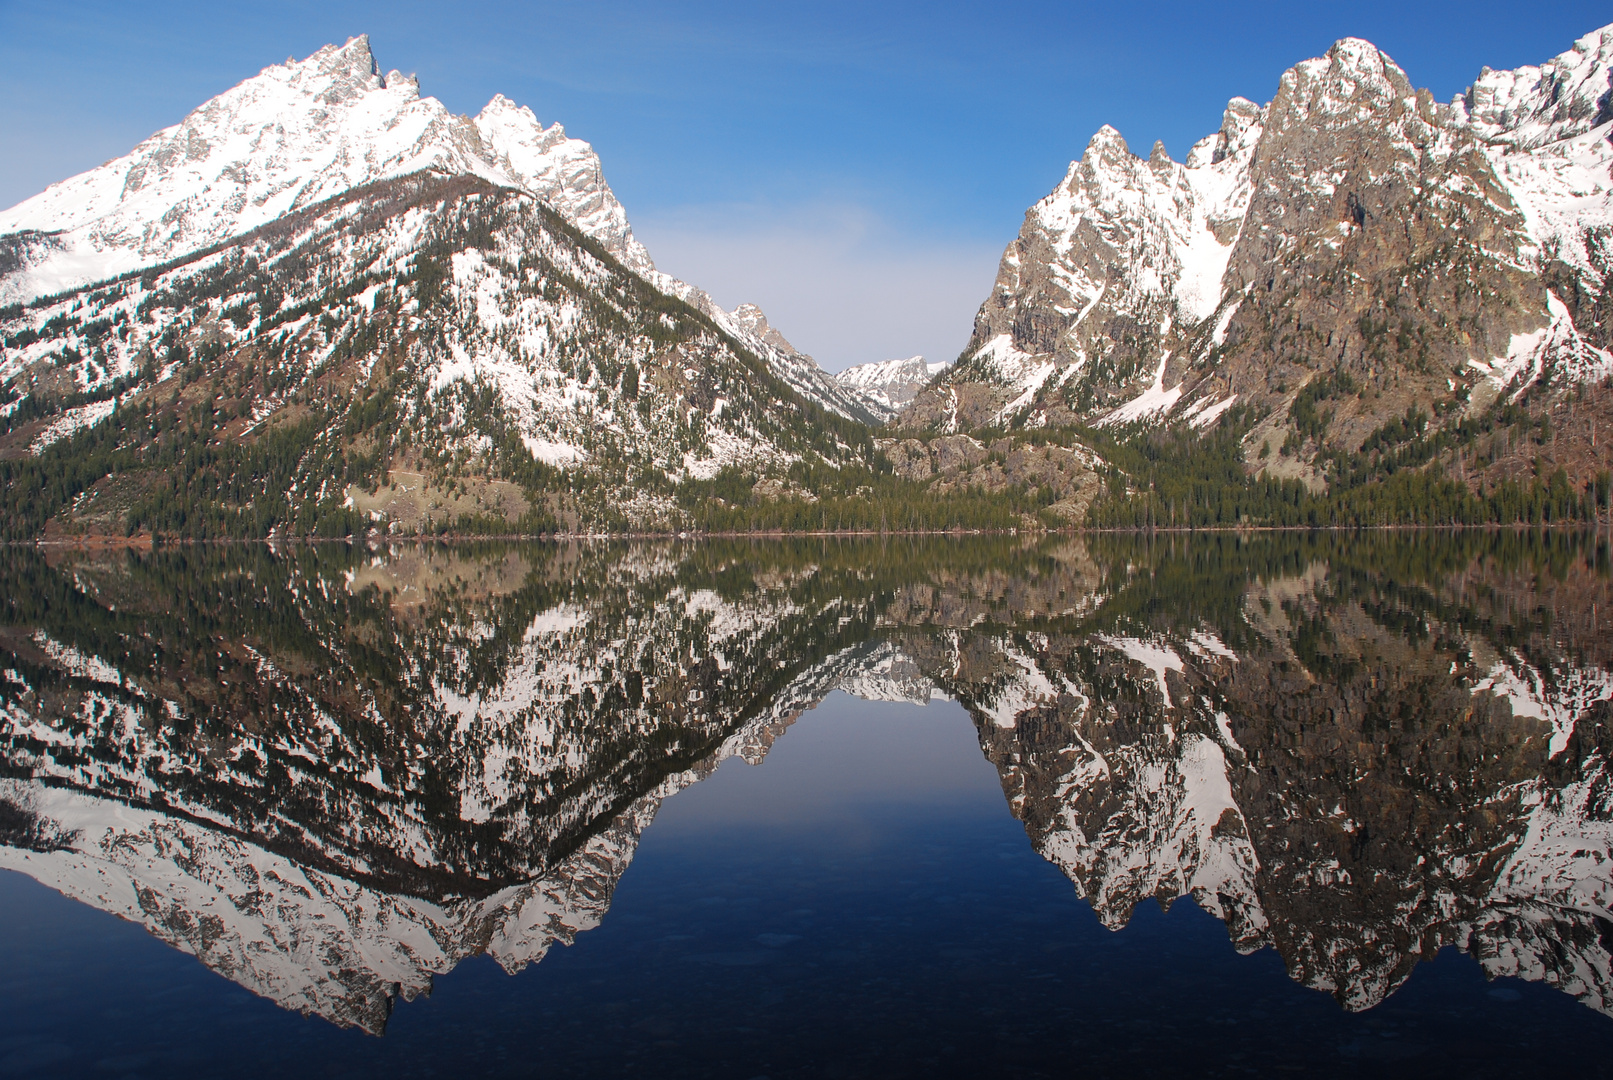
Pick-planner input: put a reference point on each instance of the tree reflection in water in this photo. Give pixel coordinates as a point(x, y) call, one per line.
point(333, 772)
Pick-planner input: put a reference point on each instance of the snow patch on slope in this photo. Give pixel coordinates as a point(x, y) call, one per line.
point(1154, 401)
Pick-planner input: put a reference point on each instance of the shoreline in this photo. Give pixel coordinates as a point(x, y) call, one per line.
point(147, 542)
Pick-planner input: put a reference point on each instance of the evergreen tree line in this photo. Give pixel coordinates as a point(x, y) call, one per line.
point(1182, 479)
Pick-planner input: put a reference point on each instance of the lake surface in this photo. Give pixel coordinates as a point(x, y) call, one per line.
point(1107, 806)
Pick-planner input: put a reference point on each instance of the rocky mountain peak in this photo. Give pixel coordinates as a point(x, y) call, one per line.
point(1106, 148)
point(752, 318)
point(562, 171)
point(1354, 83)
point(753, 321)
point(1353, 230)
point(291, 136)
point(1240, 131)
point(345, 72)
point(1531, 107)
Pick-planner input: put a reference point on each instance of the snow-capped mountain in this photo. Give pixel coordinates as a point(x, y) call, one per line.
point(1352, 229)
point(314, 213)
point(294, 135)
point(890, 384)
point(300, 133)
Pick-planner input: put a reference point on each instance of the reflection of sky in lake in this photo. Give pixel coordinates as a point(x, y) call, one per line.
point(861, 903)
point(838, 766)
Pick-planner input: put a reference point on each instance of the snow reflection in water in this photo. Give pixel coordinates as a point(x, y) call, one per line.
point(335, 774)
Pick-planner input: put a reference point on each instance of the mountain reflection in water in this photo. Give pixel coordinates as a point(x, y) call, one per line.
point(331, 773)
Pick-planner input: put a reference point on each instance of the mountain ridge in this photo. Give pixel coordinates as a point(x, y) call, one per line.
point(305, 131)
point(1352, 240)
point(890, 384)
point(1351, 305)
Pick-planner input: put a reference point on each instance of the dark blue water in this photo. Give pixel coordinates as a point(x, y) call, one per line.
point(859, 904)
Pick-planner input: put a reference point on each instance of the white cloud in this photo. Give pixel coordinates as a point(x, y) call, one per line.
point(835, 279)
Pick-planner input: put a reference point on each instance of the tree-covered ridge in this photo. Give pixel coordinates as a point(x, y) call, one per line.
point(329, 350)
point(1183, 478)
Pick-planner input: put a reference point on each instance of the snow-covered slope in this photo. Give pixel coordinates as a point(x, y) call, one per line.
point(1548, 132)
point(304, 132)
point(294, 135)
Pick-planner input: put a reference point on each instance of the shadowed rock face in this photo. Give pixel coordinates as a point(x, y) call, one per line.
point(331, 774)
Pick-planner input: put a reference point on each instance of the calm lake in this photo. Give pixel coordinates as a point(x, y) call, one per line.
point(1101, 806)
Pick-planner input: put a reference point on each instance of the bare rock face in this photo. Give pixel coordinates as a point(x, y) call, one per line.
point(1352, 230)
point(954, 463)
point(1121, 251)
point(1379, 243)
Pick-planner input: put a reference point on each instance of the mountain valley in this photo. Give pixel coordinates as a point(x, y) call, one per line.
point(323, 305)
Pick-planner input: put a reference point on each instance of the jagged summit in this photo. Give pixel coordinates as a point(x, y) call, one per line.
point(352, 61)
point(1354, 230)
point(291, 136)
point(752, 319)
point(1241, 124)
point(1531, 106)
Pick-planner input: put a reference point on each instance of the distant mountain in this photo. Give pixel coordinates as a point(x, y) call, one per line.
point(890, 384)
point(1319, 266)
point(461, 298)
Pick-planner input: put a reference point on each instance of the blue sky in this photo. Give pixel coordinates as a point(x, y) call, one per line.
point(855, 168)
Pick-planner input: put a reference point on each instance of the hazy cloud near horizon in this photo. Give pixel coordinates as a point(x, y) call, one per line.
point(833, 278)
